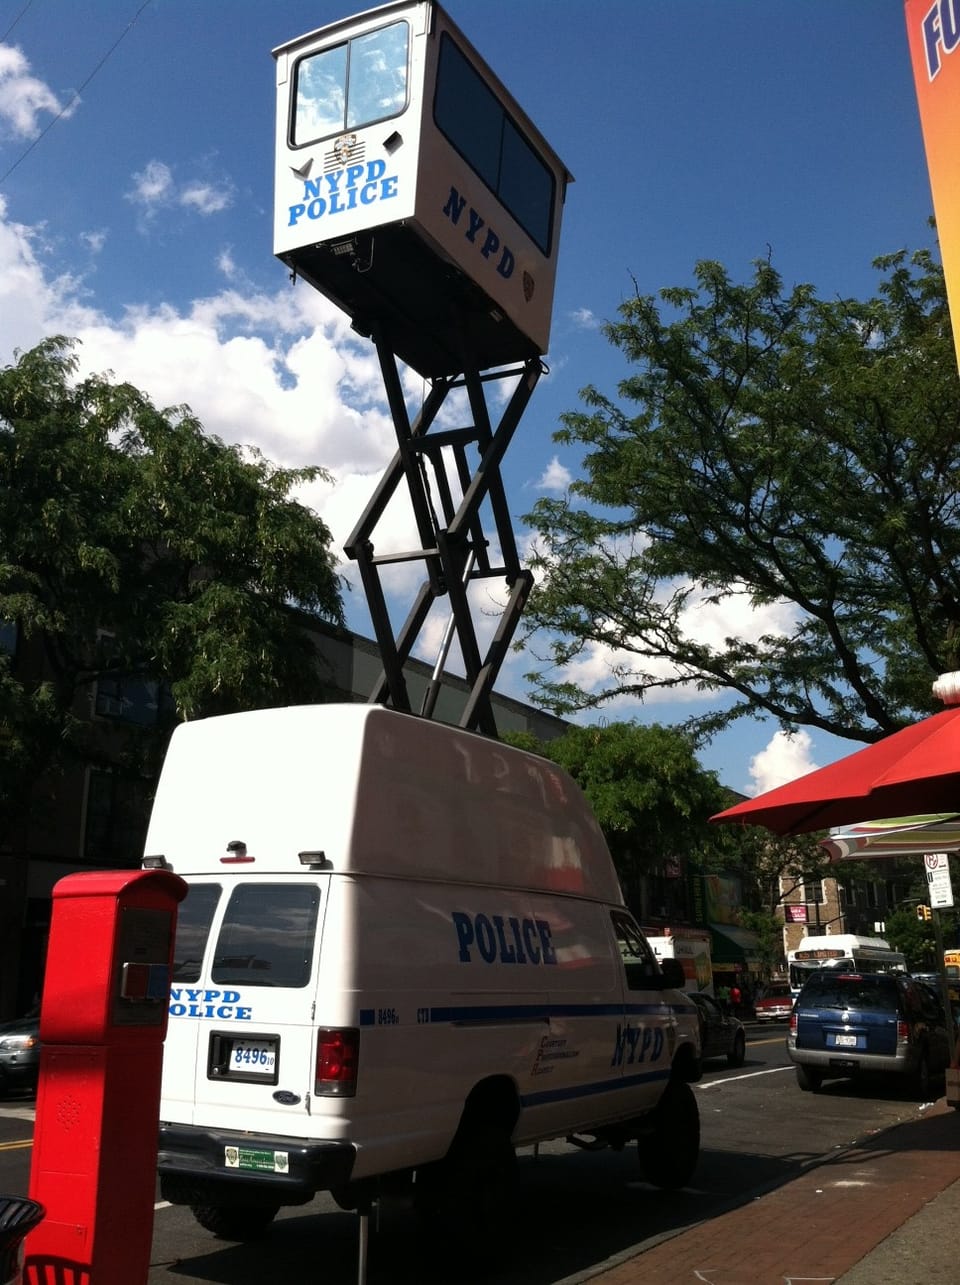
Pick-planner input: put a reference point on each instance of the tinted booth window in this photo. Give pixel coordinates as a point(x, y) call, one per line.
point(472, 118)
point(267, 935)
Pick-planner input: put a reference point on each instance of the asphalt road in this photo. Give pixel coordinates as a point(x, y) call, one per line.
point(576, 1211)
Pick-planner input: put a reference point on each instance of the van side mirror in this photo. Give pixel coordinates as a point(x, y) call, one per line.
point(674, 977)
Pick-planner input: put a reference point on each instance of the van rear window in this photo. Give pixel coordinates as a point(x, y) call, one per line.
point(267, 935)
point(194, 917)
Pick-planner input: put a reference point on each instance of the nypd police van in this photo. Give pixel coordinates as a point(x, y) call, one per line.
point(404, 953)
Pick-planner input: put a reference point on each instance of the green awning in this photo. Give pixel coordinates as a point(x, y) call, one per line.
point(733, 945)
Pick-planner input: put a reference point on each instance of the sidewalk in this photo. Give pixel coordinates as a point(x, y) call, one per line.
point(886, 1212)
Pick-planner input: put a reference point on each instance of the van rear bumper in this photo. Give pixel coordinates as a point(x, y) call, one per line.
point(208, 1166)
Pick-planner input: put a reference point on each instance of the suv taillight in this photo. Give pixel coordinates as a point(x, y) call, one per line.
point(903, 1033)
point(793, 1023)
point(337, 1057)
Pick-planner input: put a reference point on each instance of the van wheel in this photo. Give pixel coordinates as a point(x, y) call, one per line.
point(809, 1079)
point(235, 1222)
point(470, 1193)
point(738, 1053)
point(669, 1146)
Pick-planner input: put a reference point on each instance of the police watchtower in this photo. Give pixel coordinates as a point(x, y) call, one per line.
point(413, 191)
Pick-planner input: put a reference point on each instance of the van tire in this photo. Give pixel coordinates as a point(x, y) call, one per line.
point(235, 1222)
point(469, 1194)
point(669, 1144)
point(809, 1079)
point(738, 1054)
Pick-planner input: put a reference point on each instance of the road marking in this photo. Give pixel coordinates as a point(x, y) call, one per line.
point(749, 1075)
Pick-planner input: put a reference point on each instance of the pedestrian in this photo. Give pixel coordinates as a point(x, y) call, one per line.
point(723, 997)
point(735, 998)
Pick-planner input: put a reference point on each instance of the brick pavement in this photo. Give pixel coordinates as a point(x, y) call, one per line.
point(820, 1225)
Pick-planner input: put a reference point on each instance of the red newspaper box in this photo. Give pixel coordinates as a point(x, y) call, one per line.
point(103, 1019)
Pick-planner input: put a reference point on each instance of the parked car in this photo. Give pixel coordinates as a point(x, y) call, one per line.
point(774, 1003)
point(19, 1053)
point(851, 1024)
point(721, 1034)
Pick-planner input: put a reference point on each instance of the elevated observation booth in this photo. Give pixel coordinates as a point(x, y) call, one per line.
point(413, 191)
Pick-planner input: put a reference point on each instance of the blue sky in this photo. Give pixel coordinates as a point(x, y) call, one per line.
point(135, 213)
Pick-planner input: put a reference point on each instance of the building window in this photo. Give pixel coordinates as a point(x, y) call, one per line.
point(813, 892)
point(9, 634)
point(129, 699)
point(115, 815)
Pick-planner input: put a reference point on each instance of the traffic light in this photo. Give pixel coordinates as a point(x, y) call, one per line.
point(924, 912)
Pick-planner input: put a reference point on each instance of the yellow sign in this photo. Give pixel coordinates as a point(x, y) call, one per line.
point(933, 30)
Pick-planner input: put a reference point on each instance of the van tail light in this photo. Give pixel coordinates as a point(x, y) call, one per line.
point(903, 1033)
point(793, 1024)
point(338, 1054)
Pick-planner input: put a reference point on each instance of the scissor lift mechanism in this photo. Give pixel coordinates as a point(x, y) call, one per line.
point(453, 545)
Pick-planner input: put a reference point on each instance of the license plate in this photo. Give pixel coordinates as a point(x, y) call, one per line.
point(253, 1057)
point(845, 1041)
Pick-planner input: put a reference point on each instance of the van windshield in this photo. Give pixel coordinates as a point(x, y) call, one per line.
point(267, 935)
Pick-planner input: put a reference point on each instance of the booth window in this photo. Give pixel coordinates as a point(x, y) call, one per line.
point(473, 119)
point(357, 83)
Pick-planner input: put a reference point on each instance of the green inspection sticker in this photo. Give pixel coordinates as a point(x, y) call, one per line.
point(256, 1161)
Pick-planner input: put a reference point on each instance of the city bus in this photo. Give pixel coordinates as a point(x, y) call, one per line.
point(842, 950)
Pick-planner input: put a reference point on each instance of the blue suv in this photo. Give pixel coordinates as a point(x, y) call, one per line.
point(851, 1024)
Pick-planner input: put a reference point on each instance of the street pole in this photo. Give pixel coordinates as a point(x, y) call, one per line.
point(944, 987)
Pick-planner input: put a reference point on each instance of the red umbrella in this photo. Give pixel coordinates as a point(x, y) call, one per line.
point(913, 771)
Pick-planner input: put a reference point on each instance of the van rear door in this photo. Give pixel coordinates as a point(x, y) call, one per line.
point(241, 1032)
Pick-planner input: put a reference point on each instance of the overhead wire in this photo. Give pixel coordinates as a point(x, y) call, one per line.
point(15, 21)
point(77, 92)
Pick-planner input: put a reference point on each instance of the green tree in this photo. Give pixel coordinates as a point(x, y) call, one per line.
point(774, 449)
point(134, 546)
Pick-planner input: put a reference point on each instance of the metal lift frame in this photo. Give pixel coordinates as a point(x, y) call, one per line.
point(453, 546)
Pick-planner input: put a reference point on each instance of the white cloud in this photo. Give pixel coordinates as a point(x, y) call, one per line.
point(785, 757)
point(94, 241)
point(205, 198)
point(554, 478)
point(155, 187)
point(152, 186)
point(24, 98)
point(584, 319)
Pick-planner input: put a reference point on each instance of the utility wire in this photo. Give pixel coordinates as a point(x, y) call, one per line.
point(15, 21)
point(76, 96)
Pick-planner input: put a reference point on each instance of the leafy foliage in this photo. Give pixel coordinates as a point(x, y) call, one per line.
point(775, 450)
point(134, 546)
point(651, 797)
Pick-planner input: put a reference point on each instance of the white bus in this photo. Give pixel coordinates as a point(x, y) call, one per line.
point(842, 950)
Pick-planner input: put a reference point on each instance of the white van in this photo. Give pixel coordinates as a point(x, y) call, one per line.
point(403, 953)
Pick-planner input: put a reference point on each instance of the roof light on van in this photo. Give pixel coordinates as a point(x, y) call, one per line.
point(238, 853)
point(315, 858)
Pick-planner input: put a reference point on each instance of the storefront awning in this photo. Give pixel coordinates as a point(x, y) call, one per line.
point(733, 945)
